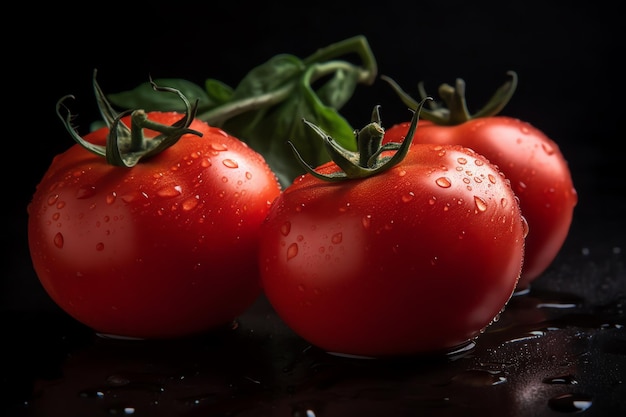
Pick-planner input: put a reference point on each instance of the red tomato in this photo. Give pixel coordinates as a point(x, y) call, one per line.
point(538, 171)
point(418, 258)
point(164, 249)
point(533, 162)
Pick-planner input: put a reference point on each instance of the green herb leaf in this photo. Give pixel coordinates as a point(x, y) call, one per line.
point(268, 105)
point(146, 98)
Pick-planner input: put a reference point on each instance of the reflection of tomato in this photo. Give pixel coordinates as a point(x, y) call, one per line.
point(534, 164)
point(165, 248)
point(417, 258)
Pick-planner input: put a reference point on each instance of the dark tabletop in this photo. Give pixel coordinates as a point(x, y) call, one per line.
point(559, 349)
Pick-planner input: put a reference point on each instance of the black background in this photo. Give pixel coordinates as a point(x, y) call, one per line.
point(568, 59)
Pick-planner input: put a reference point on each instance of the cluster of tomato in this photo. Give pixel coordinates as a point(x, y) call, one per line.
point(160, 225)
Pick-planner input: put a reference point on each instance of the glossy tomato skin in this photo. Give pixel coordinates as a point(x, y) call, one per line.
point(164, 249)
point(417, 259)
point(538, 171)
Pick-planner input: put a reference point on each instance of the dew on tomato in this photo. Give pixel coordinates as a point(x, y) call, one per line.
point(411, 243)
point(139, 238)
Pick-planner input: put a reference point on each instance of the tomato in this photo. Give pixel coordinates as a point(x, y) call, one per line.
point(538, 171)
point(163, 249)
point(419, 257)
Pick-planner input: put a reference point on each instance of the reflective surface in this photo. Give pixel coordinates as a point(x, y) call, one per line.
point(558, 349)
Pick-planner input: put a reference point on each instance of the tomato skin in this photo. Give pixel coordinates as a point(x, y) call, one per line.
point(394, 264)
point(539, 175)
point(164, 249)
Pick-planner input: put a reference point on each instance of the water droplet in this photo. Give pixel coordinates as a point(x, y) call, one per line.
point(110, 198)
point(219, 147)
point(504, 202)
point(191, 203)
point(58, 240)
point(401, 173)
point(525, 227)
point(56, 216)
point(561, 379)
point(570, 403)
point(285, 228)
point(248, 175)
point(443, 182)
point(91, 394)
point(481, 205)
point(337, 238)
point(130, 197)
point(125, 411)
point(292, 251)
point(432, 201)
point(229, 163)
point(99, 246)
point(344, 208)
point(547, 148)
point(408, 197)
point(461, 160)
point(52, 199)
point(206, 162)
point(170, 191)
point(85, 191)
point(440, 150)
point(492, 178)
point(224, 179)
point(557, 305)
point(366, 221)
point(479, 162)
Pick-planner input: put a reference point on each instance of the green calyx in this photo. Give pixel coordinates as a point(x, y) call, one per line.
point(456, 111)
point(127, 146)
point(368, 160)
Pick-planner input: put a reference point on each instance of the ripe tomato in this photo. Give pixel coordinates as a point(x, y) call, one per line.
point(416, 258)
point(166, 248)
point(538, 171)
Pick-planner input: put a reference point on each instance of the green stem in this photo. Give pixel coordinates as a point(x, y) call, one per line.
point(357, 44)
point(454, 98)
point(218, 115)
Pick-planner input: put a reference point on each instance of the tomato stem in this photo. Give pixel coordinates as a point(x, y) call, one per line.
point(369, 159)
point(126, 146)
point(457, 111)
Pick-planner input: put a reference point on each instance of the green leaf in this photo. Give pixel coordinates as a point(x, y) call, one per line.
point(268, 131)
point(337, 91)
point(270, 76)
point(218, 92)
point(146, 98)
point(267, 107)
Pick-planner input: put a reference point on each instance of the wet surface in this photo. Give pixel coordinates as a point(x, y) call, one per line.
point(554, 351)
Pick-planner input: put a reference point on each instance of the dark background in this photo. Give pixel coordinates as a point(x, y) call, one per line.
point(568, 59)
